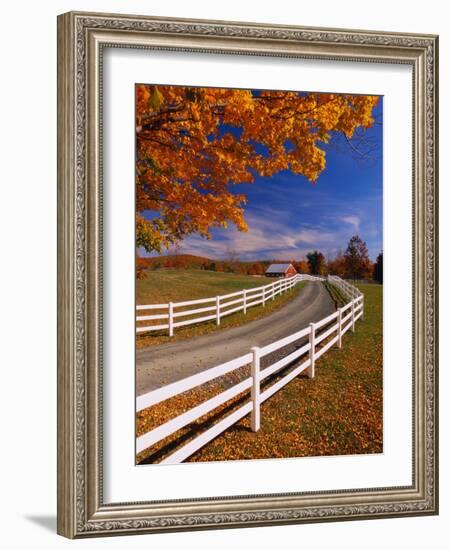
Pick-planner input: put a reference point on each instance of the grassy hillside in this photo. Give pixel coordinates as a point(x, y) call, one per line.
point(176, 285)
point(339, 412)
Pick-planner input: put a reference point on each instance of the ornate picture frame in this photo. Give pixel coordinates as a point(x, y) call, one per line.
point(82, 38)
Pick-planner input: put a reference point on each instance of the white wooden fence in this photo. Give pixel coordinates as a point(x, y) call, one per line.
point(181, 314)
point(321, 336)
point(348, 290)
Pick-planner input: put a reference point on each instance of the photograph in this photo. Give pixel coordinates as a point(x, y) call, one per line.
point(259, 274)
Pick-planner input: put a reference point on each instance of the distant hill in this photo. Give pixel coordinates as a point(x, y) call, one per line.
point(162, 261)
point(175, 260)
point(190, 261)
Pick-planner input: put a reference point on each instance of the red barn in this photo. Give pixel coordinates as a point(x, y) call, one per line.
point(281, 270)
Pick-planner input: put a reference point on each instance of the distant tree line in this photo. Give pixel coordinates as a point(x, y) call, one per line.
point(187, 261)
point(353, 263)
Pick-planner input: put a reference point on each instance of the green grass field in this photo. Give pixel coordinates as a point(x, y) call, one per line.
point(338, 412)
point(177, 285)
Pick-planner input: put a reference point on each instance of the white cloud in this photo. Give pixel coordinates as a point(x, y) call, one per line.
point(354, 221)
point(268, 237)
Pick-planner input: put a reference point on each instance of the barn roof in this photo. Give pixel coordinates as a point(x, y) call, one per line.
point(277, 268)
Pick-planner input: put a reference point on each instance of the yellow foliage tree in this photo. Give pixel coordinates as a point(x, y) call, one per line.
point(194, 144)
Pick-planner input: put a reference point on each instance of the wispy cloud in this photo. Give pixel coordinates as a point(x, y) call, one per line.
point(354, 221)
point(269, 236)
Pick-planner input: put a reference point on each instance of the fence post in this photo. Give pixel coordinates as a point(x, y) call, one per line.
point(340, 328)
point(255, 415)
point(273, 291)
point(170, 318)
point(362, 308)
point(353, 315)
point(312, 341)
point(264, 296)
point(218, 310)
point(245, 301)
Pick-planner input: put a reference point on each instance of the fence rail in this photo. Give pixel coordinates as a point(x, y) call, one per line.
point(321, 336)
point(215, 307)
point(348, 290)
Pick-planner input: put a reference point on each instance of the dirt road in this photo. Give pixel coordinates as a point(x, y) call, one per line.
point(160, 365)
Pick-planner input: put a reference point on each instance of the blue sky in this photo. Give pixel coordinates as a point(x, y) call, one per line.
point(289, 216)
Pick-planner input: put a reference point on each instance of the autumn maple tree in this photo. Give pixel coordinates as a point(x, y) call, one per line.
point(194, 144)
point(336, 266)
point(301, 266)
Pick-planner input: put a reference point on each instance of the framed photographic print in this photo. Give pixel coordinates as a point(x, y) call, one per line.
point(247, 274)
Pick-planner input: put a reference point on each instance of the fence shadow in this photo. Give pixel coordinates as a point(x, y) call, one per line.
point(196, 428)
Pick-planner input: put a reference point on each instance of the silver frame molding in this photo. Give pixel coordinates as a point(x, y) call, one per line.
point(81, 38)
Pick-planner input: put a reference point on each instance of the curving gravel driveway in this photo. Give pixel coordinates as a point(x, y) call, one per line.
point(167, 363)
